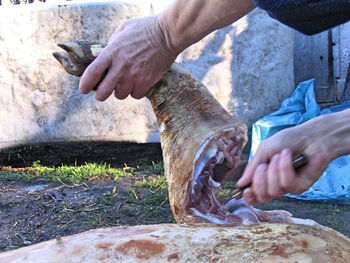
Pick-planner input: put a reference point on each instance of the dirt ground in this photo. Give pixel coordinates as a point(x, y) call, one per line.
point(32, 212)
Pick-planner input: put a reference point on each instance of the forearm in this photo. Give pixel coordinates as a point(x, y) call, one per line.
point(186, 22)
point(333, 131)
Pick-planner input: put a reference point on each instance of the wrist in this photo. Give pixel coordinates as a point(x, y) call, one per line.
point(339, 133)
point(331, 132)
point(174, 44)
point(184, 23)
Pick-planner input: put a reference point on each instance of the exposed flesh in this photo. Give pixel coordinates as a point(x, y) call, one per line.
point(216, 160)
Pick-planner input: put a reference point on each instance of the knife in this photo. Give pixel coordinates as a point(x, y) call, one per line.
point(297, 164)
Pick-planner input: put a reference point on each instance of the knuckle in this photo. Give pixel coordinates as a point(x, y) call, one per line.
point(129, 20)
point(125, 23)
point(93, 70)
point(136, 76)
point(123, 60)
point(283, 165)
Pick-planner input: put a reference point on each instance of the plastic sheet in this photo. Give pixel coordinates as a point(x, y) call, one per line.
point(334, 184)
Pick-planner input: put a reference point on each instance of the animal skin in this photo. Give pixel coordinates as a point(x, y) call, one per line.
point(201, 145)
point(191, 243)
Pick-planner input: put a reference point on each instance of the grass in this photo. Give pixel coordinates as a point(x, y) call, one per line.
point(226, 190)
point(75, 174)
point(103, 212)
point(147, 166)
point(72, 174)
point(145, 196)
point(146, 199)
point(152, 182)
point(15, 176)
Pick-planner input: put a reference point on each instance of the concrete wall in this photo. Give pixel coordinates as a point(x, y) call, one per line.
point(248, 66)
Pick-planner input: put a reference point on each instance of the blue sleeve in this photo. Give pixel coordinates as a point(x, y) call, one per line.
point(307, 16)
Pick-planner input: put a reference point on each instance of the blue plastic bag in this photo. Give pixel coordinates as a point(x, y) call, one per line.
point(332, 186)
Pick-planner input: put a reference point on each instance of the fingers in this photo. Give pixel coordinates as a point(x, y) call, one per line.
point(116, 32)
point(248, 173)
point(135, 58)
point(123, 89)
point(250, 197)
point(317, 163)
point(272, 180)
point(271, 170)
point(103, 65)
point(94, 72)
point(259, 183)
point(286, 171)
point(273, 177)
point(143, 85)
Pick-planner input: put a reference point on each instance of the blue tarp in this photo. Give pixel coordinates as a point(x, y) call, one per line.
point(334, 184)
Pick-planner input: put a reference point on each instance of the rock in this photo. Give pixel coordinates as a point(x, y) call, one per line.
point(248, 66)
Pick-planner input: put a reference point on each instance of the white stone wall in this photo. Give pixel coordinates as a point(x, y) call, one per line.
point(248, 66)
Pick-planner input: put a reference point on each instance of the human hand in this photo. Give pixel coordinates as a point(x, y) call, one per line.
point(271, 171)
point(136, 57)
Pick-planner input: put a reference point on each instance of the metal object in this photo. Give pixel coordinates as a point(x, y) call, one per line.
point(297, 163)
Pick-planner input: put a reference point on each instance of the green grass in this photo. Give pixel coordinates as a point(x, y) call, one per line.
point(148, 192)
point(226, 190)
point(102, 212)
point(147, 166)
point(75, 174)
point(72, 174)
point(15, 176)
point(152, 182)
point(144, 196)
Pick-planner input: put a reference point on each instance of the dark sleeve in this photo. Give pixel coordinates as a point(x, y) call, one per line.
point(307, 16)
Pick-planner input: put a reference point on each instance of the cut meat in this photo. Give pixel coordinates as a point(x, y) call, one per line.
point(201, 143)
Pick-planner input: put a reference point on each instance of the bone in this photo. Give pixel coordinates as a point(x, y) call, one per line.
point(201, 143)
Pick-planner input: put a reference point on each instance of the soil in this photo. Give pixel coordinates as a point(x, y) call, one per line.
point(32, 212)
